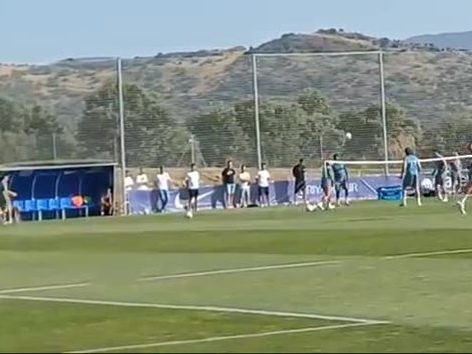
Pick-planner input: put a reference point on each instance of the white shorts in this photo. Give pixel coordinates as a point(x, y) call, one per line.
point(245, 188)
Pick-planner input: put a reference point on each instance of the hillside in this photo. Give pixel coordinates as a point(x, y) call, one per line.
point(429, 85)
point(186, 81)
point(457, 40)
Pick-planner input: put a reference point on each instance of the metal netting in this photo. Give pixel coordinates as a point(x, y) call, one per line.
point(189, 109)
point(202, 107)
point(431, 92)
point(62, 111)
point(308, 102)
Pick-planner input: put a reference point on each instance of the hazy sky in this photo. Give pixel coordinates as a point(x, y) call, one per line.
point(39, 31)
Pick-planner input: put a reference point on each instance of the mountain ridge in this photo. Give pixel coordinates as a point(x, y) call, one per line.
point(454, 40)
point(427, 84)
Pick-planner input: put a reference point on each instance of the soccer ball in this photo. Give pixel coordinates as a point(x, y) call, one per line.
point(348, 136)
point(189, 214)
point(310, 207)
point(331, 206)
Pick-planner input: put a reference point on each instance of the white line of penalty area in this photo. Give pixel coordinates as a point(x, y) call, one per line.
point(292, 265)
point(239, 270)
point(222, 338)
point(426, 254)
point(44, 287)
point(194, 308)
point(235, 270)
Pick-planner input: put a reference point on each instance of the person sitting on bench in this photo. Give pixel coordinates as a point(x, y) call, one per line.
point(106, 204)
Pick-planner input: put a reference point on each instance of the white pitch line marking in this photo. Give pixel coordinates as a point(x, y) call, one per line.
point(238, 270)
point(221, 338)
point(193, 308)
point(45, 287)
point(426, 254)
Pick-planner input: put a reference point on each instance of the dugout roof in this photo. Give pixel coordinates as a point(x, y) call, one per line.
point(56, 164)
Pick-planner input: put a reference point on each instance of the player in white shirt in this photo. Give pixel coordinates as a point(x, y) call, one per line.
point(263, 183)
point(192, 182)
point(129, 181)
point(142, 180)
point(162, 184)
point(129, 186)
point(245, 184)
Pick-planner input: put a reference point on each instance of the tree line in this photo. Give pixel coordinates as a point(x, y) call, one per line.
point(309, 127)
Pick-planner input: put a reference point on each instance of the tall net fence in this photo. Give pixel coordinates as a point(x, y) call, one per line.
point(430, 102)
point(189, 109)
point(308, 103)
point(63, 111)
point(201, 107)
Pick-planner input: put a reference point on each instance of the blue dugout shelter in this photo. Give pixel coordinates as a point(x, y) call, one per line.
point(45, 190)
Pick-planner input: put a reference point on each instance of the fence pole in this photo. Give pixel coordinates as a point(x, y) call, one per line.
point(122, 133)
point(192, 149)
point(54, 147)
point(384, 111)
point(321, 147)
point(256, 110)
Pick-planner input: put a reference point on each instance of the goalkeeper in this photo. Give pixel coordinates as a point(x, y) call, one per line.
point(440, 174)
point(341, 177)
point(410, 175)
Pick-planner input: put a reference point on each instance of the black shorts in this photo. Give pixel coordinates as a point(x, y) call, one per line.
point(264, 191)
point(193, 193)
point(106, 208)
point(440, 179)
point(299, 186)
point(456, 178)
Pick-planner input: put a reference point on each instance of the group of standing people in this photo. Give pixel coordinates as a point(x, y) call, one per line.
point(231, 179)
point(237, 184)
point(333, 176)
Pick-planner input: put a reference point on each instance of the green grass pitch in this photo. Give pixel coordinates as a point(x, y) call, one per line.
point(372, 277)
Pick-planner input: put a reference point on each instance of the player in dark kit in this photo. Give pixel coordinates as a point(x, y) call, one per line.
point(440, 174)
point(228, 176)
point(341, 177)
point(299, 173)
